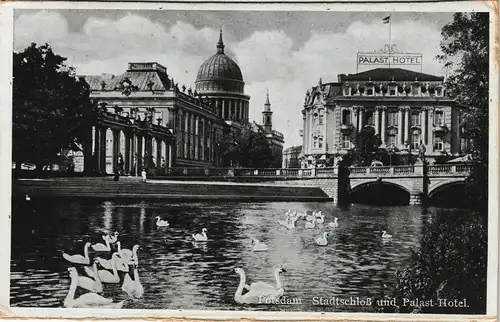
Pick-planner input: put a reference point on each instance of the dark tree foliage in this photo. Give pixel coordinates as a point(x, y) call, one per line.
point(51, 107)
point(246, 148)
point(367, 145)
point(465, 48)
point(450, 264)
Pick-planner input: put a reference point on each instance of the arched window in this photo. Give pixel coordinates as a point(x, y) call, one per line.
point(315, 118)
point(415, 140)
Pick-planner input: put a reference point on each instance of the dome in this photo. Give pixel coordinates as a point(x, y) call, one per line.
point(219, 73)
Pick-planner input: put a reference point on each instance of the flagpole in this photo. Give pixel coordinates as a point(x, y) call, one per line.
point(390, 42)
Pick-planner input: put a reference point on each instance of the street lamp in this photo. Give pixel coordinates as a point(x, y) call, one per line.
point(391, 150)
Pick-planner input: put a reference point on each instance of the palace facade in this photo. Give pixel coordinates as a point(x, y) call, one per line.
point(408, 110)
point(147, 120)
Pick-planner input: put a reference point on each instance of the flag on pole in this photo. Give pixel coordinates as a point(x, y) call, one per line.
point(387, 19)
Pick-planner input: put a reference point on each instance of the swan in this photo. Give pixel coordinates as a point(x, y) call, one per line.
point(161, 223)
point(99, 247)
point(320, 220)
point(259, 246)
point(135, 259)
point(93, 285)
point(318, 214)
point(201, 237)
point(125, 254)
point(106, 263)
point(112, 238)
point(86, 300)
point(104, 275)
point(385, 234)
point(322, 239)
point(28, 198)
point(334, 224)
point(259, 292)
point(311, 217)
point(79, 259)
point(310, 224)
point(134, 287)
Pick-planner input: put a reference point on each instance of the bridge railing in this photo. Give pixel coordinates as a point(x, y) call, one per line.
point(404, 170)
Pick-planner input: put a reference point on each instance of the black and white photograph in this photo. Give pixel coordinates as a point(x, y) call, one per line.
point(251, 159)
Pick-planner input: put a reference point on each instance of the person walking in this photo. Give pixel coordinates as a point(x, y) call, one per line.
point(143, 173)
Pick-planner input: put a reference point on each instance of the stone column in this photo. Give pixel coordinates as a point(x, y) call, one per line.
point(377, 131)
point(97, 149)
point(223, 109)
point(169, 146)
point(102, 146)
point(361, 112)
point(116, 150)
point(383, 130)
point(133, 156)
point(407, 125)
point(126, 157)
point(159, 147)
point(430, 122)
point(196, 136)
point(422, 125)
point(400, 127)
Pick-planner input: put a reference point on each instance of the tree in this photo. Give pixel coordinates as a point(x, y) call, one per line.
point(465, 48)
point(450, 264)
point(51, 107)
point(367, 144)
point(246, 148)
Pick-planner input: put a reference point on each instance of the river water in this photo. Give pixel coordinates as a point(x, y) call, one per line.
point(178, 274)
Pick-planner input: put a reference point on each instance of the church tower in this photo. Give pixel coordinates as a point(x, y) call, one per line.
point(267, 115)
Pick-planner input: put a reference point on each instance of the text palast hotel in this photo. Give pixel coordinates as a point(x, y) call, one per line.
point(405, 108)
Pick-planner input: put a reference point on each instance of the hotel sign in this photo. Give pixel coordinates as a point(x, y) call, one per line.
point(389, 55)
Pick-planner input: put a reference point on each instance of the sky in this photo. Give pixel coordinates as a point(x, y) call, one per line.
point(280, 51)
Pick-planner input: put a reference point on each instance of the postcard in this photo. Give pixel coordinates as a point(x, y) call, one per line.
point(265, 161)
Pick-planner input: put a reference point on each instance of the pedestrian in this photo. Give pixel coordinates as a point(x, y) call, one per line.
point(143, 173)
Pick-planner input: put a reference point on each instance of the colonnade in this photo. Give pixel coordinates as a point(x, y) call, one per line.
point(231, 108)
point(424, 126)
point(140, 150)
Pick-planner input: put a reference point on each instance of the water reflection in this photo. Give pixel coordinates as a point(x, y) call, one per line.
point(178, 273)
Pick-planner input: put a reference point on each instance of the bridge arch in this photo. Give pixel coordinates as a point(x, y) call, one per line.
point(435, 188)
point(380, 192)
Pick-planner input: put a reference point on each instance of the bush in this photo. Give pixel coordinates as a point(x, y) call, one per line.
point(450, 264)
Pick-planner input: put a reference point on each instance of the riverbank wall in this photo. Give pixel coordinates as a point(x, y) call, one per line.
point(132, 187)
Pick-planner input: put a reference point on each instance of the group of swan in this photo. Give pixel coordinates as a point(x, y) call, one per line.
point(259, 292)
point(203, 237)
point(93, 282)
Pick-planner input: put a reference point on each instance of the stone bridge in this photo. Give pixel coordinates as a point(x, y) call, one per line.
point(418, 180)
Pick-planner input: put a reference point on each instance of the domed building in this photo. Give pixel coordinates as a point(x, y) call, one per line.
point(220, 82)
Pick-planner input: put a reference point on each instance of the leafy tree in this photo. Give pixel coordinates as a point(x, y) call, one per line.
point(465, 48)
point(51, 107)
point(246, 148)
point(450, 264)
point(367, 144)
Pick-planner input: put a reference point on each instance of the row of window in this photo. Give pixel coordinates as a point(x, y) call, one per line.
point(392, 141)
point(393, 91)
point(392, 118)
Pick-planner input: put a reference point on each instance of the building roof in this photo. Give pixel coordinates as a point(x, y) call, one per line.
point(141, 76)
point(219, 67)
point(389, 74)
point(296, 149)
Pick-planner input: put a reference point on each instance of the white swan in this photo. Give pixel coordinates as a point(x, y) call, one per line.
point(161, 223)
point(290, 223)
point(322, 239)
point(311, 217)
point(112, 238)
point(106, 263)
point(28, 198)
point(99, 247)
point(87, 300)
point(386, 235)
point(93, 285)
point(334, 224)
point(258, 246)
point(79, 259)
point(318, 214)
point(310, 224)
point(125, 254)
point(104, 275)
point(201, 237)
point(259, 292)
point(321, 219)
point(134, 287)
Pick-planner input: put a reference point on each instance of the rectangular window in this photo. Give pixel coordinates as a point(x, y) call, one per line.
point(392, 118)
point(392, 92)
point(438, 118)
point(415, 119)
point(438, 143)
point(320, 143)
point(391, 141)
point(321, 119)
point(370, 120)
point(415, 90)
point(346, 117)
point(346, 141)
point(369, 92)
point(315, 142)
